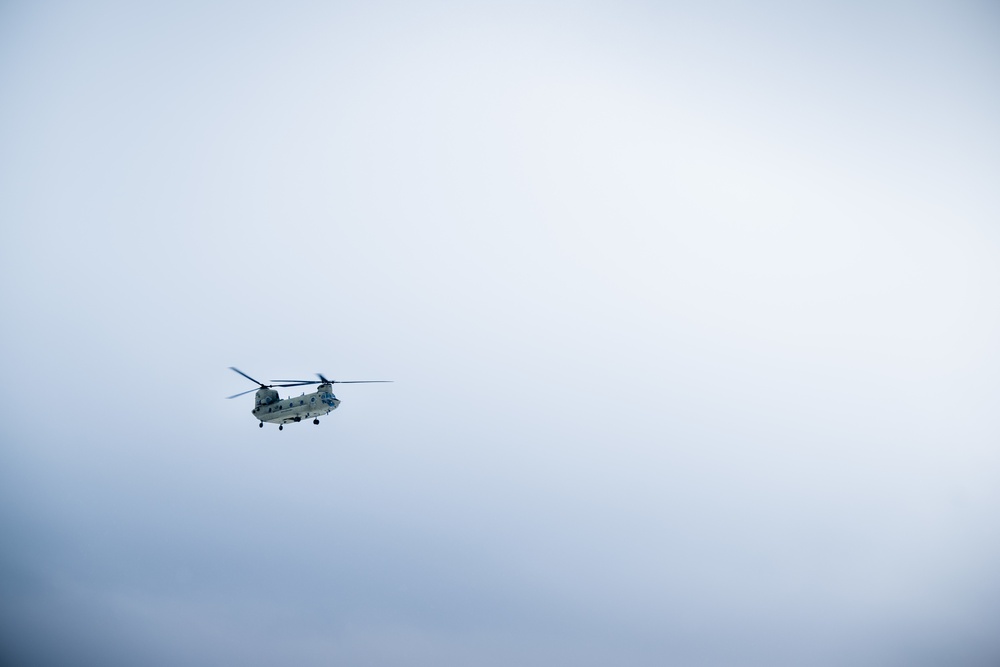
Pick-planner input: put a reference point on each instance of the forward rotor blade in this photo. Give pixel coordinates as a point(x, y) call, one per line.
point(233, 368)
point(293, 384)
point(241, 393)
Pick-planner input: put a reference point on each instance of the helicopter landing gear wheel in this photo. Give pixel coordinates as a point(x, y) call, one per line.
point(261, 425)
point(316, 421)
point(281, 427)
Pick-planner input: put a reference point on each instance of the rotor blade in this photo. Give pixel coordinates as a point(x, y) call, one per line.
point(241, 393)
point(233, 368)
point(321, 377)
point(295, 384)
point(356, 381)
point(324, 381)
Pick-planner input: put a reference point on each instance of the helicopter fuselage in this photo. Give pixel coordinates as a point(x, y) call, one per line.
point(272, 409)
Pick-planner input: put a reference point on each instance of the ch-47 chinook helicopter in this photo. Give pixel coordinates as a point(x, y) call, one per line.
point(281, 411)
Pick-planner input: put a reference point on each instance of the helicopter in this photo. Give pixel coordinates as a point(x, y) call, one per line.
point(270, 408)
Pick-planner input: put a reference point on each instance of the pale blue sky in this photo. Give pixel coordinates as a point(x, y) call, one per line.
point(691, 311)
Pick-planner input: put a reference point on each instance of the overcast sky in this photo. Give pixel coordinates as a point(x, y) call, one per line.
point(692, 309)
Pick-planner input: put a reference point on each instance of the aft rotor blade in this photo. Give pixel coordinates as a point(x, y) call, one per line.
point(297, 383)
point(321, 377)
point(233, 368)
point(356, 381)
point(241, 393)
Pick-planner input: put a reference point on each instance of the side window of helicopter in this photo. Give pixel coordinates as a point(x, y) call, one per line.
point(312, 400)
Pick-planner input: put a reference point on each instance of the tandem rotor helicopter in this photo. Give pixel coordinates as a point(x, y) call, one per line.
point(281, 411)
